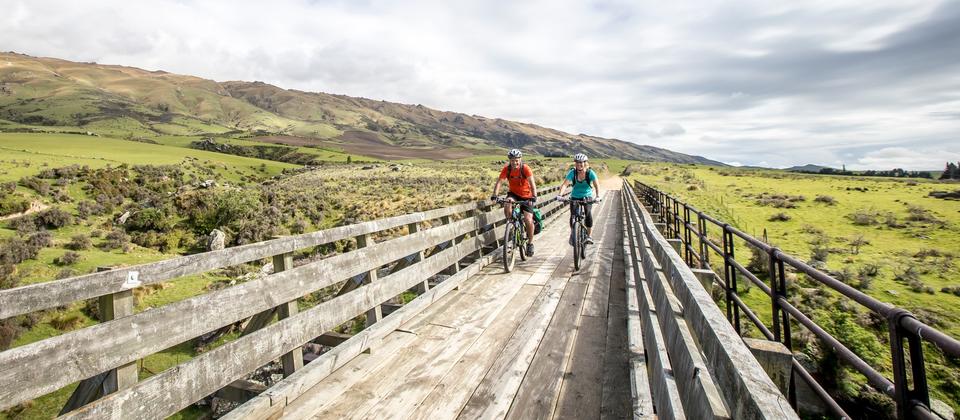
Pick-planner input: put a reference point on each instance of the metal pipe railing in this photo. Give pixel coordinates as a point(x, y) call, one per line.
point(908, 389)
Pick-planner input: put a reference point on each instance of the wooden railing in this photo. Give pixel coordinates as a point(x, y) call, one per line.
point(684, 352)
point(458, 242)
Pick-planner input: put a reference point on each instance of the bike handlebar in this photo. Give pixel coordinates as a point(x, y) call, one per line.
point(501, 200)
point(585, 200)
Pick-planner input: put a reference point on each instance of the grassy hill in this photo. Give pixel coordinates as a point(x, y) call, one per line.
point(47, 94)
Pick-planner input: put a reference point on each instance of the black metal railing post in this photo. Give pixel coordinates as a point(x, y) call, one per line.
point(904, 396)
point(704, 237)
point(687, 236)
point(730, 278)
point(775, 293)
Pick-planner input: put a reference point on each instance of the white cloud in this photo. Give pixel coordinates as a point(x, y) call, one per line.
point(748, 81)
point(900, 157)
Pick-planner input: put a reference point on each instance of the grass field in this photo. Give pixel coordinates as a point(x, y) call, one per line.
point(856, 225)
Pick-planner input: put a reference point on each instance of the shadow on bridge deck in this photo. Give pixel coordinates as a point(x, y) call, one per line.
point(540, 342)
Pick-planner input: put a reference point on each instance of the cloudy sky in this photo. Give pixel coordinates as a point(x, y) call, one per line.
point(869, 84)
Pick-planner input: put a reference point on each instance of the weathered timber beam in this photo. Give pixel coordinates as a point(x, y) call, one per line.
point(164, 394)
point(84, 353)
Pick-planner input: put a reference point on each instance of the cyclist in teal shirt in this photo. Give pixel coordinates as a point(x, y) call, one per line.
point(585, 187)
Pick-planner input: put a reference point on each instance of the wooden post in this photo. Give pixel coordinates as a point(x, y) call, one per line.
point(374, 314)
point(293, 360)
point(425, 286)
point(111, 307)
point(114, 306)
point(453, 269)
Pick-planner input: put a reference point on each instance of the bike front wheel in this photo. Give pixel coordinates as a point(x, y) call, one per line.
point(577, 251)
point(509, 247)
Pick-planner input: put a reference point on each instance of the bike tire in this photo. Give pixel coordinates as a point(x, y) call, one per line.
point(509, 246)
point(522, 242)
point(577, 254)
point(583, 242)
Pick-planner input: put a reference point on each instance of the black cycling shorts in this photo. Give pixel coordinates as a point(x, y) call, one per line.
point(587, 209)
point(526, 206)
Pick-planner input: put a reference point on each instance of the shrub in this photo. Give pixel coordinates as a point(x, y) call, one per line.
point(54, 218)
point(890, 220)
point(907, 275)
point(79, 242)
point(66, 273)
point(41, 239)
point(779, 217)
point(68, 258)
point(299, 226)
point(825, 199)
point(115, 239)
point(863, 218)
point(856, 242)
point(920, 214)
point(149, 219)
point(15, 251)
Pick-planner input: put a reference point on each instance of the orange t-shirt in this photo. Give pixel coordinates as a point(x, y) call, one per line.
point(517, 178)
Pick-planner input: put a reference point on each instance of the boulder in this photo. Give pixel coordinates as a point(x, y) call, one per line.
point(216, 240)
point(123, 217)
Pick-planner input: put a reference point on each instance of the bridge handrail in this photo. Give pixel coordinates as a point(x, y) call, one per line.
point(746, 389)
point(915, 401)
point(52, 294)
point(87, 352)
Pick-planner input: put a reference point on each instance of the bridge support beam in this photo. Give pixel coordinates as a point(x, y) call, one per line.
point(293, 360)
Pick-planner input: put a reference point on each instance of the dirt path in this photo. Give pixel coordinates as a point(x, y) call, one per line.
point(34, 207)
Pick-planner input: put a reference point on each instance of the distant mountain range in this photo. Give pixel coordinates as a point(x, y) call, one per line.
point(807, 168)
point(129, 102)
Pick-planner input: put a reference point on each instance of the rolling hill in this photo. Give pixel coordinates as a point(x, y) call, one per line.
point(48, 94)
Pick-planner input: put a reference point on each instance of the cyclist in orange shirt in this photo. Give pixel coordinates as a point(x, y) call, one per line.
point(522, 189)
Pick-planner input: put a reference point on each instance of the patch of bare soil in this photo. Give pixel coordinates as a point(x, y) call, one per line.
point(290, 141)
point(34, 207)
point(370, 144)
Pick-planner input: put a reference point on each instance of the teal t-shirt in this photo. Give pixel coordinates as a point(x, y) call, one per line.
point(582, 189)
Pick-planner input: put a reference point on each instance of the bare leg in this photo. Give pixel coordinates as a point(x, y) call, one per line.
point(528, 221)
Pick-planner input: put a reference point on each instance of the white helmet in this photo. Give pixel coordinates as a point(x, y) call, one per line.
point(580, 157)
point(514, 153)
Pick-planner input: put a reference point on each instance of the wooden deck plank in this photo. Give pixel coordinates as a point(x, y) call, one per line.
point(465, 315)
point(353, 372)
point(616, 396)
point(540, 389)
point(494, 394)
point(448, 396)
point(580, 394)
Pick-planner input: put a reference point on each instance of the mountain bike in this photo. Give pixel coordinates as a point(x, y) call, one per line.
point(514, 235)
point(578, 231)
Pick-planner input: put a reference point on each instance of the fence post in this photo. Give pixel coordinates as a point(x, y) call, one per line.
point(425, 286)
point(376, 313)
point(704, 236)
point(903, 395)
point(730, 277)
point(774, 293)
point(293, 360)
point(115, 306)
point(687, 236)
point(453, 269)
point(787, 335)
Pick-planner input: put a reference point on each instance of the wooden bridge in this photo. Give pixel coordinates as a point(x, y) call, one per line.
point(632, 334)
